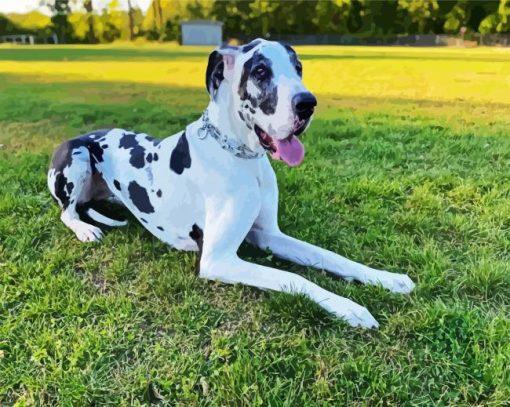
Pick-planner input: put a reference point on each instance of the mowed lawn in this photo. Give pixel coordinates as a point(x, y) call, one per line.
point(407, 169)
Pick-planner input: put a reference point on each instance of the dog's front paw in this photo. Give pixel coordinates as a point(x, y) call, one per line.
point(396, 283)
point(354, 314)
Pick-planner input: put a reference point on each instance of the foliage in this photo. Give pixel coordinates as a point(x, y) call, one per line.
point(456, 18)
point(60, 19)
point(8, 27)
point(33, 20)
point(406, 169)
point(498, 21)
point(263, 18)
point(420, 14)
point(355, 17)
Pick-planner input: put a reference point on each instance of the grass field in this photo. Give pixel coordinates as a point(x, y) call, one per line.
point(407, 169)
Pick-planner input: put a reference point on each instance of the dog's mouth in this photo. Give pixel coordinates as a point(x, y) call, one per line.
point(290, 149)
point(266, 141)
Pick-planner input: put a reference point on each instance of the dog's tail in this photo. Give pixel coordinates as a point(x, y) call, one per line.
point(104, 220)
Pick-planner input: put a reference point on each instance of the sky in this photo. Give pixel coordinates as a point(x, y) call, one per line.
point(22, 6)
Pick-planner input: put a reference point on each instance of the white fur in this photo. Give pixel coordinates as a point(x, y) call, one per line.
point(230, 199)
point(105, 220)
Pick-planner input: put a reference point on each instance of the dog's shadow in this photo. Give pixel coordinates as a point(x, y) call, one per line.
point(121, 213)
point(286, 307)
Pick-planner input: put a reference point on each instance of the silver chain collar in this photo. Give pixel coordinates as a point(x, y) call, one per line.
point(232, 146)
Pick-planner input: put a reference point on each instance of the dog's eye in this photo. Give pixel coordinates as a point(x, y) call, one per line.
point(299, 69)
point(261, 72)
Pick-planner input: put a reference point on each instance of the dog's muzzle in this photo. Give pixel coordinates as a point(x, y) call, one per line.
point(290, 149)
point(304, 105)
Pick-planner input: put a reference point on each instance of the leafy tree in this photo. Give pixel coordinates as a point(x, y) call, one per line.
point(154, 22)
point(163, 17)
point(236, 17)
point(382, 18)
point(331, 16)
point(420, 15)
point(33, 20)
point(261, 14)
point(60, 19)
point(270, 18)
point(196, 9)
point(503, 25)
point(456, 17)
point(115, 22)
point(8, 27)
point(478, 10)
point(466, 13)
point(498, 21)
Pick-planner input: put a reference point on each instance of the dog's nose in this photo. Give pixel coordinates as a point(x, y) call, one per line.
point(304, 104)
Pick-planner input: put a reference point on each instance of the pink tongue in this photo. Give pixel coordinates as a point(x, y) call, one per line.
point(289, 150)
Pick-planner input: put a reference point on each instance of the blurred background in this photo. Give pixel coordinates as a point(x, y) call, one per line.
point(339, 22)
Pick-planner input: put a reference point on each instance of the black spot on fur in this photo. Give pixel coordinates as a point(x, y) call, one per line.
point(243, 83)
point(159, 193)
point(156, 157)
point(180, 158)
point(96, 153)
point(160, 228)
point(117, 184)
point(63, 158)
point(69, 187)
point(140, 197)
point(250, 46)
point(136, 151)
point(268, 96)
point(268, 101)
point(149, 157)
point(154, 141)
point(241, 115)
point(61, 189)
point(294, 59)
point(198, 236)
point(143, 220)
point(214, 73)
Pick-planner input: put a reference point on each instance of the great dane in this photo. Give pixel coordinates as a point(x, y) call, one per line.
point(211, 186)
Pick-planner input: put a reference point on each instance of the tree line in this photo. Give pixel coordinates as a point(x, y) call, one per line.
point(252, 18)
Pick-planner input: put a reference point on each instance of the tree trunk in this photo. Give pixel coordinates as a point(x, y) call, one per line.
point(155, 12)
point(161, 22)
point(158, 17)
point(90, 9)
point(131, 21)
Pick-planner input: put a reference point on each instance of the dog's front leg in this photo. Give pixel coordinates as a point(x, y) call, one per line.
point(307, 254)
point(227, 223)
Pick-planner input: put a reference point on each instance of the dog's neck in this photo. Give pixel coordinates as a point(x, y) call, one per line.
point(223, 115)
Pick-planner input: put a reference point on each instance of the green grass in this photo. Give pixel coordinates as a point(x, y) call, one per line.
point(414, 186)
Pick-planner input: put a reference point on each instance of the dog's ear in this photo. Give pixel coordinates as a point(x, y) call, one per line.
point(220, 66)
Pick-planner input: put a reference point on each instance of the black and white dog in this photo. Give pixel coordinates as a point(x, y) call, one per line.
point(211, 186)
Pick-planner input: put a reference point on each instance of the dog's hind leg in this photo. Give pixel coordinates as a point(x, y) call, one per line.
point(69, 181)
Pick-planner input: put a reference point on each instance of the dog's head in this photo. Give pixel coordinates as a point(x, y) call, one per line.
point(264, 82)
